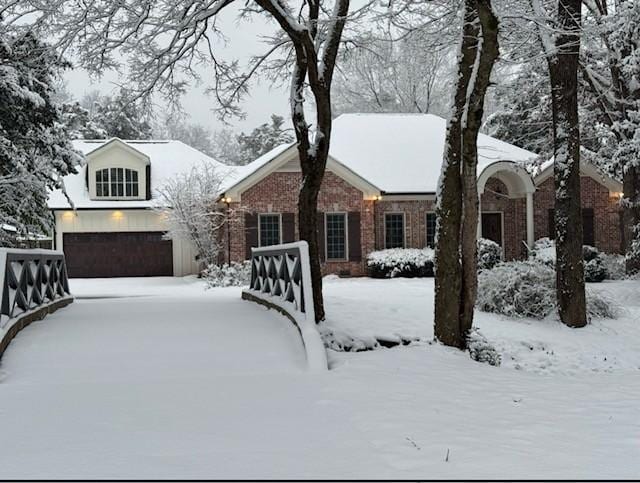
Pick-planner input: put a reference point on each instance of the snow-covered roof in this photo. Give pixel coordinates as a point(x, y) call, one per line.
point(167, 158)
point(398, 153)
point(402, 153)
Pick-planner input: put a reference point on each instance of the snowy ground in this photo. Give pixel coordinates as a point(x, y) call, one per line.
point(178, 382)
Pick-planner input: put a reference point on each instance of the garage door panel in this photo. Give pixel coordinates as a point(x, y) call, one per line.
point(124, 254)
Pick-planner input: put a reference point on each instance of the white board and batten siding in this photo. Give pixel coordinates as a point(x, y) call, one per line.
point(105, 221)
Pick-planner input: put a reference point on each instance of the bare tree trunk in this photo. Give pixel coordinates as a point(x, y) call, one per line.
point(457, 204)
point(563, 73)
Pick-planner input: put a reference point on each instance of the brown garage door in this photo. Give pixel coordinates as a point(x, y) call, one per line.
point(132, 254)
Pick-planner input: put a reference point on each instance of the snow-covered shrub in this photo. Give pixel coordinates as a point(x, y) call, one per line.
point(517, 289)
point(601, 306)
point(614, 264)
point(594, 268)
point(489, 254)
point(234, 275)
point(481, 350)
point(528, 289)
point(401, 262)
point(544, 251)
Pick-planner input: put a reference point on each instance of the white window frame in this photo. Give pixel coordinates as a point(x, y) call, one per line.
point(108, 183)
point(404, 227)
point(346, 237)
point(279, 215)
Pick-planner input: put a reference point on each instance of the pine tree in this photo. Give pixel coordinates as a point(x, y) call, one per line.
point(35, 151)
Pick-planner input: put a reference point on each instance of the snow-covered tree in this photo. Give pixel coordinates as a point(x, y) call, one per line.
point(35, 151)
point(188, 203)
point(457, 200)
point(263, 139)
point(386, 76)
point(560, 33)
point(611, 68)
point(194, 134)
point(226, 149)
point(161, 43)
point(80, 124)
point(240, 149)
point(123, 116)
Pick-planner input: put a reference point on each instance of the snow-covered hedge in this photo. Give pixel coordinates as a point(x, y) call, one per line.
point(401, 262)
point(489, 254)
point(528, 289)
point(234, 275)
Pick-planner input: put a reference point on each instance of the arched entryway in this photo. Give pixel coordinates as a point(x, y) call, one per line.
point(506, 206)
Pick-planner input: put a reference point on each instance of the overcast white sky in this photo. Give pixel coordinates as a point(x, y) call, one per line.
point(242, 42)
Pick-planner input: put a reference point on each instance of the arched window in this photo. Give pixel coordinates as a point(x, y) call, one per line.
point(116, 182)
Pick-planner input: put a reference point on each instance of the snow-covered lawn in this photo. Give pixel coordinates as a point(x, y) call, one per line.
point(403, 308)
point(178, 382)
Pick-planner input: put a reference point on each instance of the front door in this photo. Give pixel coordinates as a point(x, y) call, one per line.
point(492, 227)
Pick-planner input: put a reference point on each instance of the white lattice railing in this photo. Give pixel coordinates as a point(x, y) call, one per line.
point(33, 283)
point(281, 279)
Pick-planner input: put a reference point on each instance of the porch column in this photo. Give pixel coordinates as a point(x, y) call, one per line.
point(530, 235)
point(479, 228)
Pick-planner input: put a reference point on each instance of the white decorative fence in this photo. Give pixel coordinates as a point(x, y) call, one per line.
point(33, 284)
point(281, 280)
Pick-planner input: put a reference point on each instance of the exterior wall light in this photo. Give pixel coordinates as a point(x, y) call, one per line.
point(117, 215)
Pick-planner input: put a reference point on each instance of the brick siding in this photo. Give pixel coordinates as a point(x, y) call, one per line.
point(606, 212)
point(278, 193)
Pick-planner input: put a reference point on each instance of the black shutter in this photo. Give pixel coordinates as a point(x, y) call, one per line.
point(587, 227)
point(148, 183)
point(86, 176)
point(250, 233)
point(321, 235)
point(288, 227)
point(355, 247)
point(552, 223)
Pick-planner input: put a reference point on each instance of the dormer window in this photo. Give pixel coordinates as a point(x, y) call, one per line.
point(116, 183)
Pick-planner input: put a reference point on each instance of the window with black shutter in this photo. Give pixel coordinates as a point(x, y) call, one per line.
point(431, 230)
point(336, 236)
point(269, 229)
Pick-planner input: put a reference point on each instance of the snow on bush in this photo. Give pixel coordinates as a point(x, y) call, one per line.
point(544, 251)
point(481, 350)
point(489, 254)
point(234, 275)
point(401, 262)
point(528, 289)
point(517, 289)
point(594, 268)
point(601, 306)
point(614, 264)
